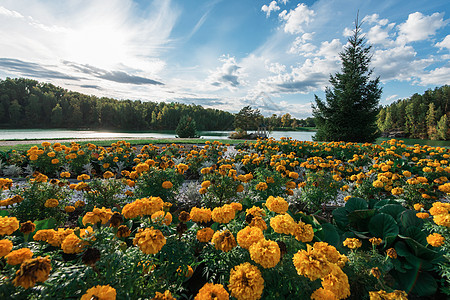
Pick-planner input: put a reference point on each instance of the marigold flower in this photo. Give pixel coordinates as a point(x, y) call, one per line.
point(123, 231)
point(258, 222)
point(223, 240)
point(323, 294)
point(312, 264)
point(184, 216)
point(283, 224)
point(167, 185)
point(240, 188)
point(246, 282)
point(293, 175)
point(100, 292)
point(266, 253)
point(337, 282)
point(161, 216)
point(149, 240)
point(435, 240)
point(8, 225)
point(204, 235)
point(32, 271)
point(223, 214)
point(255, 211)
point(248, 236)
point(418, 206)
point(211, 291)
point(167, 295)
point(98, 215)
point(422, 215)
point(277, 204)
point(69, 209)
point(352, 243)
point(391, 253)
point(142, 207)
point(79, 203)
point(72, 244)
point(375, 241)
point(303, 232)
point(5, 247)
point(375, 272)
point(381, 295)
point(108, 174)
point(51, 203)
point(236, 206)
point(205, 184)
point(83, 177)
point(27, 227)
point(201, 215)
point(330, 252)
point(17, 257)
point(262, 186)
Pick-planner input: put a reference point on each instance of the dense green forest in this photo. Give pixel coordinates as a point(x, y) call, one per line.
point(420, 116)
point(26, 103)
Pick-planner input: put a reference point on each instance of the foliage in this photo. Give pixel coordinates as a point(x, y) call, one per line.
point(351, 107)
point(186, 128)
point(150, 183)
point(248, 118)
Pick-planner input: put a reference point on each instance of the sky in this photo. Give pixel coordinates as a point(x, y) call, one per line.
point(225, 54)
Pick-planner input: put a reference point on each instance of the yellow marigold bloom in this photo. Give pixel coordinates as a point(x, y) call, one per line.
point(83, 177)
point(391, 253)
point(79, 203)
point(240, 188)
point(142, 167)
point(100, 292)
point(312, 264)
point(293, 175)
point(211, 291)
point(262, 186)
point(55, 161)
point(167, 185)
point(266, 253)
point(382, 295)
point(142, 207)
point(5, 247)
point(322, 294)
point(435, 240)
point(422, 215)
point(206, 184)
point(352, 243)
point(72, 244)
point(291, 185)
point(375, 241)
point(206, 171)
point(108, 174)
point(246, 282)
point(375, 272)
point(223, 214)
point(69, 209)
point(303, 232)
point(422, 179)
point(149, 240)
point(51, 203)
point(407, 173)
point(27, 227)
point(223, 240)
point(330, 252)
point(445, 188)
point(236, 206)
point(283, 224)
point(204, 235)
point(161, 216)
point(185, 272)
point(258, 222)
point(202, 191)
point(255, 211)
point(32, 271)
point(248, 236)
point(166, 296)
point(201, 215)
point(397, 191)
point(277, 204)
point(105, 166)
point(8, 225)
point(337, 282)
point(427, 169)
point(123, 231)
point(418, 206)
point(17, 257)
point(97, 215)
point(378, 184)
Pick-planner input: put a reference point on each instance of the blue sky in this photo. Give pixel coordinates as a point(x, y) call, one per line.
point(226, 54)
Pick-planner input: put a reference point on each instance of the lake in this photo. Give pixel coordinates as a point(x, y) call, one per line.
point(42, 134)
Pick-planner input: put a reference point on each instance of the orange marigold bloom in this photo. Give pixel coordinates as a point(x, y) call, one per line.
point(248, 236)
point(149, 240)
point(32, 271)
point(8, 225)
point(167, 295)
point(236, 206)
point(375, 241)
point(303, 232)
point(97, 216)
point(246, 282)
point(435, 240)
point(201, 215)
point(108, 174)
point(352, 243)
point(224, 240)
point(100, 292)
point(212, 291)
point(265, 252)
point(161, 216)
point(422, 215)
point(204, 235)
point(312, 264)
point(293, 175)
point(337, 282)
point(391, 253)
point(142, 207)
point(5, 247)
point(255, 211)
point(323, 294)
point(51, 203)
point(206, 184)
point(418, 206)
point(17, 257)
point(69, 209)
point(262, 186)
point(258, 222)
point(283, 224)
point(167, 185)
point(223, 214)
point(277, 204)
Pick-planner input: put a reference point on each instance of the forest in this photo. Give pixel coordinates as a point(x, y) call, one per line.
point(26, 103)
point(423, 116)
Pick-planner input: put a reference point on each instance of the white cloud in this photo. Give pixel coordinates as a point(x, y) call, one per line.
point(302, 46)
point(273, 6)
point(391, 98)
point(438, 76)
point(297, 18)
point(330, 50)
point(227, 75)
point(379, 35)
point(347, 32)
point(398, 63)
point(374, 19)
point(10, 13)
point(419, 27)
point(445, 43)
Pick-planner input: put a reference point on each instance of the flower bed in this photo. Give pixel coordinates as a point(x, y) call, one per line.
point(252, 223)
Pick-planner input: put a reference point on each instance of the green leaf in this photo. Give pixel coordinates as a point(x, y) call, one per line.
point(384, 202)
point(3, 213)
point(215, 226)
point(416, 234)
point(392, 209)
point(420, 250)
point(356, 204)
point(49, 223)
point(340, 216)
point(425, 285)
point(359, 215)
point(408, 218)
point(329, 234)
point(383, 225)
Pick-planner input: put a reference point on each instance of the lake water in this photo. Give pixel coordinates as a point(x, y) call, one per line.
point(42, 134)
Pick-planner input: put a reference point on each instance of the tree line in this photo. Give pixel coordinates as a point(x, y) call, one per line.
point(26, 103)
point(423, 116)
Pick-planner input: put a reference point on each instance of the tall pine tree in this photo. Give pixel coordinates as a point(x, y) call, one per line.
point(352, 103)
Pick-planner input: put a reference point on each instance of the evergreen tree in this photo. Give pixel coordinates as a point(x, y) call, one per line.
point(186, 128)
point(442, 128)
point(352, 104)
point(248, 118)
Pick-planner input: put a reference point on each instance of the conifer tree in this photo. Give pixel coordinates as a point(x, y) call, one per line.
point(352, 103)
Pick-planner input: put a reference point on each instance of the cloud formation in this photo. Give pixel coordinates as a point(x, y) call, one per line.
point(296, 18)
